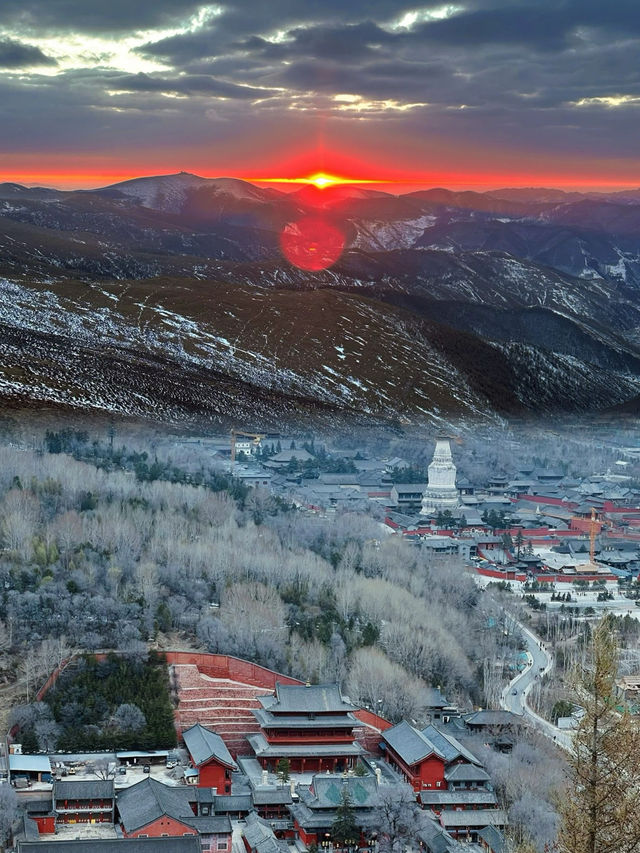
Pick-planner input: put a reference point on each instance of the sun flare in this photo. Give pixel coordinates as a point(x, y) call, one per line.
point(320, 180)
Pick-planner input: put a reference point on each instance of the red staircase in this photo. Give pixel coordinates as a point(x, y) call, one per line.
point(221, 704)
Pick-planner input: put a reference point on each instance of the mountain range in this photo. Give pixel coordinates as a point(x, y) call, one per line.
point(168, 298)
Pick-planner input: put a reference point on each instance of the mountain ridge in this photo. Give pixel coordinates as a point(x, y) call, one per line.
point(495, 310)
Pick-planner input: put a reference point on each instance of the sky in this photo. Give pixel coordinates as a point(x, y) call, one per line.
point(475, 94)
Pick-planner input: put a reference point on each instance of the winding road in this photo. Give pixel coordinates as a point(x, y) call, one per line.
point(514, 695)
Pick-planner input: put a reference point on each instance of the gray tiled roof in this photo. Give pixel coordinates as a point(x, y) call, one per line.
point(445, 798)
point(223, 803)
point(312, 699)
point(209, 824)
point(466, 773)
point(410, 744)
point(434, 698)
point(490, 717)
point(148, 800)
point(473, 817)
point(271, 796)
point(327, 791)
point(494, 839)
point(434, 838)
point(261, 837)
point(447, 745)
point(203, 745)
point(269, 720)
point(86, 789)
point(182, 844)
point(39, 806)
point(319, 819)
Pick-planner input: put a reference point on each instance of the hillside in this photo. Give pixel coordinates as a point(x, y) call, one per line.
point(168, 298)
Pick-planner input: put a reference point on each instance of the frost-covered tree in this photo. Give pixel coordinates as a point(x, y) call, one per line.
point(398, 818)
point(129, 718)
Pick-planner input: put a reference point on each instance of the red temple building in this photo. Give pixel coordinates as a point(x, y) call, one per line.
point(451, 782)
point(210, 756)
point(90, 801)
point(309, 725)
point(315, 813)
point(150, 809)
point(428, 758)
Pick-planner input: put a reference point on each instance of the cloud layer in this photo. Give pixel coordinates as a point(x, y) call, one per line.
point(483, 85)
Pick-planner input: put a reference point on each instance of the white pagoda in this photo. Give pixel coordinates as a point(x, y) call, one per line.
point(441, 493)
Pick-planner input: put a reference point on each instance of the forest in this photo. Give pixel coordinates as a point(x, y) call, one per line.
point(114, 702)
point(98, 554)
point(115, 541)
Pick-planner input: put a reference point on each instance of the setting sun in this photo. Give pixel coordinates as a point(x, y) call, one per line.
point(320, 180)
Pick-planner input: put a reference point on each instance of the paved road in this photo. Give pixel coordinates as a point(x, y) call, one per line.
point(514, 696)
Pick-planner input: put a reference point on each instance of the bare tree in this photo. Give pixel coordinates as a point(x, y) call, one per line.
point(102, 768)
point(398, 818)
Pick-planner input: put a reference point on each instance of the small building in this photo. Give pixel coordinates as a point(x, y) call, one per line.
point(432, 759)
point(210, 756)
point(253, 477)
point(286, 457)
point(35, 768)
point(272, 803)
point(491, 840)
point(86, 801)
point(438, 707)
point(407, 497)
point(468, 823)
point(150, 809)
point(493, 721)
point(41, 816)
point(627, 690)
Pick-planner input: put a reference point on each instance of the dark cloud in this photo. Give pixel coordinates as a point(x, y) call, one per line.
point(14, 54)
point(349, 43)
point(187, 85)
point(93, 16)
point(498, 75)
point(543, 25)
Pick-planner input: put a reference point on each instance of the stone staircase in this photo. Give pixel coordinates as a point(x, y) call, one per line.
point(221, 704)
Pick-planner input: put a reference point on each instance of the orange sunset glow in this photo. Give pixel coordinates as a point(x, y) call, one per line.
point(67, 179)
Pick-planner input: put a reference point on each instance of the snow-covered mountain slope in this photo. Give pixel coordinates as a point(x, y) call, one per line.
point(168, 297)
point(184, 350)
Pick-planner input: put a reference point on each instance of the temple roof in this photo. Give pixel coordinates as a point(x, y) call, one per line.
point(466, 773)
point(263, 748)
point(84, 789)
point(203, 745)
point(268, 720)
point(146, 801)
point(326, 791)
point(413, 745)
point(306, 699)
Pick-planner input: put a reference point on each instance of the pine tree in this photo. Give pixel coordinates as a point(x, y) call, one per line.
point(519, 542)
point(283, 769)
point(599, 812)
point(344, 830)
